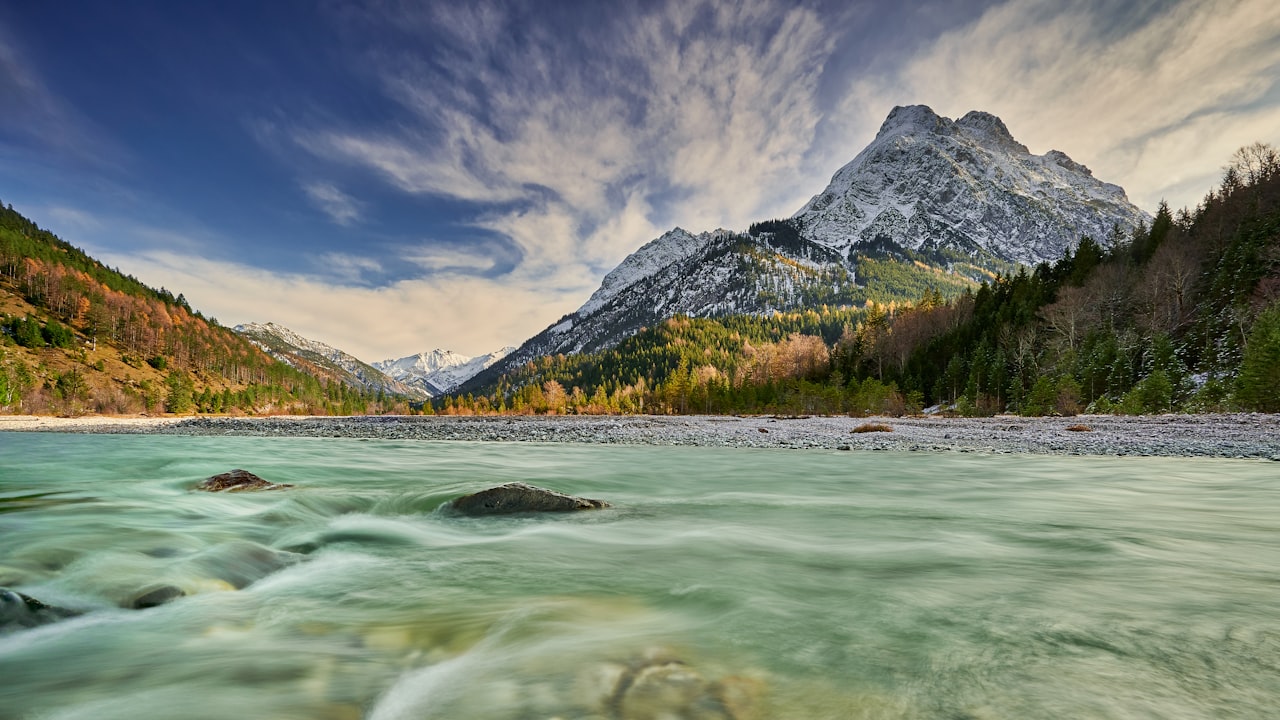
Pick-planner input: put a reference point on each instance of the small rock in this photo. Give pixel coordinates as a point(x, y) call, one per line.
point(763, 430)
point(844, 447)
point(519, 498)
point(156, 597)
point(236, 481)
point(23, 611)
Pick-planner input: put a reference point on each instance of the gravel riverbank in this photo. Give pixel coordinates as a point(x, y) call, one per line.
point(1239, 435)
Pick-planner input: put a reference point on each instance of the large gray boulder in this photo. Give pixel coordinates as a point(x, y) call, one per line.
point(521, 498)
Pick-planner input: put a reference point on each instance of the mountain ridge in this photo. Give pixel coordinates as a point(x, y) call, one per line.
point(322, 359)
point(438, 371)
point(930, 204)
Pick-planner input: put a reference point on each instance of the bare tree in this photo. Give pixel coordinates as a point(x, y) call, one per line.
point(1071, 315)
point(1254, 163)
point(1163, 296)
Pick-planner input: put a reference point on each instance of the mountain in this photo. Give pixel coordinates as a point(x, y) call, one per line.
point(932, 204)
point(439, 371)
point(321, 360)
point(927, 182)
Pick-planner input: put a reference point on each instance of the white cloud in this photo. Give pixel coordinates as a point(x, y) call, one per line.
point(347, 267)
point(339, 206)
point(468, 314)
point(436, 259)
point(1157, 108)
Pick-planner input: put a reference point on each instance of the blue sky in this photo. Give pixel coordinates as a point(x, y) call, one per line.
point(391, 177)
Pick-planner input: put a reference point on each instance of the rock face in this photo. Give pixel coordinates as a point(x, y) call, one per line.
point(237, 481)
point(521, 498)
point(19, 611)
point(928, 182)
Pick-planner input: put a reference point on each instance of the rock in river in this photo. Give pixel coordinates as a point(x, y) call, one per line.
point(156, 597)
point(236, 481)
point(23, 611)
point(520, 498)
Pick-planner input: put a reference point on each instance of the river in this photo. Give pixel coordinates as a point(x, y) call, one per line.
point(723, 583)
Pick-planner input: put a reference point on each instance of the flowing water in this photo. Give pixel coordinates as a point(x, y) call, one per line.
point(722, 584)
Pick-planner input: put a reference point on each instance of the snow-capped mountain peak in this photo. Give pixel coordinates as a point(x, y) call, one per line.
point(928, 182)
point(438, 371)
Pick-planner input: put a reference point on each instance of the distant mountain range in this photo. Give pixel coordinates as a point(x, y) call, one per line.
point(931, 204)
point(440, 371)
point(420, 376)
point(321, 360)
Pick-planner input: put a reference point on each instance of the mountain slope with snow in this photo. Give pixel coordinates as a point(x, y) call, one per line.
point(321, 360)
point(929, 182)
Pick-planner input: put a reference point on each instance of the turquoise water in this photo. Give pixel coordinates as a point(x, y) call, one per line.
point(787, 584)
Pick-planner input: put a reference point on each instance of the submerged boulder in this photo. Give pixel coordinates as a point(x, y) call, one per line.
point(156, 597)
point(237, 481)
point(519, 497)
point(657, 687)
point(23, 611)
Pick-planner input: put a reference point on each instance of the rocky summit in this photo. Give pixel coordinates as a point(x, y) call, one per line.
point(928, 182)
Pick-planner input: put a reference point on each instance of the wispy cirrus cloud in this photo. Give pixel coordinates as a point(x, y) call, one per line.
point(35, 117)
point(696, 113)
point(339, 206)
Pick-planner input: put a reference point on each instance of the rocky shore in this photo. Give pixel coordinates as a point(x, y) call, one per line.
point(1233, 436)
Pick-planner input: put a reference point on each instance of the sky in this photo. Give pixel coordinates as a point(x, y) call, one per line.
point(391, 177)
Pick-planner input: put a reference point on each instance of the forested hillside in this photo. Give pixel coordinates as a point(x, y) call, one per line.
point(76, 336)
point(1183, 315)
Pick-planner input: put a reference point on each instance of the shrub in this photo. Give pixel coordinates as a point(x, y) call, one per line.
point(58, 335)
point(1154, 394)
point(872, 427)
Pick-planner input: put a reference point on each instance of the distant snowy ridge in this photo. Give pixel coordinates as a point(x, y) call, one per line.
point(323, 360)
point(439, 371)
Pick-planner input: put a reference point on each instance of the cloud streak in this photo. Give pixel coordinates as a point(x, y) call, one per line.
point(339, 206)
point(372, 323)
point(695, 114)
